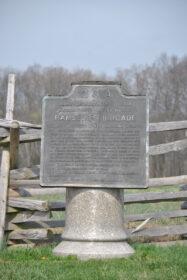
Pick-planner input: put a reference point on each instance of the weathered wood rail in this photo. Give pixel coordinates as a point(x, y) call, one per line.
point(29, 220)
point(17, 178)
point(149, 197)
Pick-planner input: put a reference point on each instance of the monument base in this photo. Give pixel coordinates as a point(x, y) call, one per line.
point(93, 250)
point(94, 226)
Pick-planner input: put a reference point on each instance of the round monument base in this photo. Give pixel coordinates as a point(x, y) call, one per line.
point(93, 250)
point(94, 226)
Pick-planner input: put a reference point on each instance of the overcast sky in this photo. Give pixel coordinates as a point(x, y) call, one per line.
point(101, 35)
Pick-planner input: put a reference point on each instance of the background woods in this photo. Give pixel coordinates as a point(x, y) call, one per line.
point(165, 82)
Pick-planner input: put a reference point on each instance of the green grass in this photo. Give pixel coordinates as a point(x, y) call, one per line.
point(148, 262)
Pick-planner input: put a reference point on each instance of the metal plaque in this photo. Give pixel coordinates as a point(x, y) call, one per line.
point(95, 137)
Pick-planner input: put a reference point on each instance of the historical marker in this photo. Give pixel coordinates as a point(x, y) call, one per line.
point(95, 137)
point(95, 143)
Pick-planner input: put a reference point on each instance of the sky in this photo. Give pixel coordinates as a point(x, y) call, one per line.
point(100, 35)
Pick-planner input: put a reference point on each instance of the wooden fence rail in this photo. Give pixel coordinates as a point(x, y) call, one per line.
point(149, 197)
point(33, 188)
point(153, 127)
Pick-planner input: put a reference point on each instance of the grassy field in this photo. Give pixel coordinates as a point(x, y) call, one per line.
point(149, 262)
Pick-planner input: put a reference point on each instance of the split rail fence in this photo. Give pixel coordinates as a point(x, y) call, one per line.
point(26, 222)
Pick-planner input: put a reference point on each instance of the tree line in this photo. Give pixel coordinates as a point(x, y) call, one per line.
point(164, 82)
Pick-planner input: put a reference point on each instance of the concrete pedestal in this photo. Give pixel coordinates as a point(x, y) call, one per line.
point(94, 225)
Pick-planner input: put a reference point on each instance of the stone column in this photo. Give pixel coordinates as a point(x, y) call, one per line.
point(94, 225)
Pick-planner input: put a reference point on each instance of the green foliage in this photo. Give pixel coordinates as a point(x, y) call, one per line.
point(148, 262)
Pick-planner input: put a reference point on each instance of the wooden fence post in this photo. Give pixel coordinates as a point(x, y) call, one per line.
point(14, 145)
point(10, 97)
point(5, 162)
